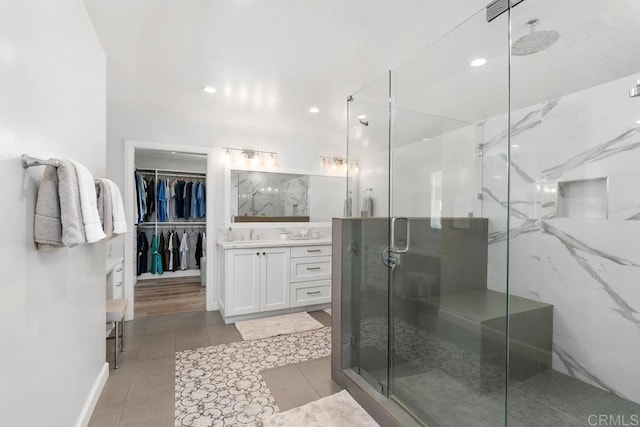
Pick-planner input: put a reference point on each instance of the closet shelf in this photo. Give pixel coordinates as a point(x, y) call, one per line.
point(174, 173)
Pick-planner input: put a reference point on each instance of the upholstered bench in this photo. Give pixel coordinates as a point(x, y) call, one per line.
point(116, 309)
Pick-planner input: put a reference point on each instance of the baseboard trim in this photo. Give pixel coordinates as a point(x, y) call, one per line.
point(92, 398)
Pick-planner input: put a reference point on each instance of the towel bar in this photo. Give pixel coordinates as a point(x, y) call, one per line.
point(28, 161)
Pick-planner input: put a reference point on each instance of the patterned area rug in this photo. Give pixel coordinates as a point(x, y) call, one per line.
point(339, 409)
point(222, 385)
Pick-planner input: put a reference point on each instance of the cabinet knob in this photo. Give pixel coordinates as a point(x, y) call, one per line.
point(257, 253)
point(264, 253)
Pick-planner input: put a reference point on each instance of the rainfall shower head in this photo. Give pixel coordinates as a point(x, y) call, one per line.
point(635, 91)
point(535, 41)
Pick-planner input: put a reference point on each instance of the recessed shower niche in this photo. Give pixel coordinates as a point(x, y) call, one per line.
point(583, 199)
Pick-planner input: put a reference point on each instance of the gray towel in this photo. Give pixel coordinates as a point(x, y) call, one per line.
point(47, 228)
point(58, 219)
point(105, 206)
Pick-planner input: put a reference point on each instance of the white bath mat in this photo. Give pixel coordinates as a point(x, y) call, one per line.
point(277, 325)
point(328, 311)
point(339, 410)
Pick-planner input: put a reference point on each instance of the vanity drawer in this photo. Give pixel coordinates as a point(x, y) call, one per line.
point(309, 293)
point(310, 268)
point(308, 251)
point(118, 291)
point(118, 274)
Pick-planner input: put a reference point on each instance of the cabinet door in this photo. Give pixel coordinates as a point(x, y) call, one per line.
point(242, 270)
point(275, 277)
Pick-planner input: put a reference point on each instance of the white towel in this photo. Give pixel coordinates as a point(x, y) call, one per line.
point(89, 204)
point(348, 207)
point(367, 207)
point(119, 219)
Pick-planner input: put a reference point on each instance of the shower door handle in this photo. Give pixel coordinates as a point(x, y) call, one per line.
point(405, 248)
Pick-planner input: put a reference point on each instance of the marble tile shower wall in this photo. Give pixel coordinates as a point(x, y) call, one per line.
point(589, 269)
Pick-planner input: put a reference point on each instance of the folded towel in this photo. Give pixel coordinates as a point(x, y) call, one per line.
point(119, 219)
point(367, 207)
point(47, 229)
point(105, 207)
point(70, 208)
point(348, 207)
point(89, 204)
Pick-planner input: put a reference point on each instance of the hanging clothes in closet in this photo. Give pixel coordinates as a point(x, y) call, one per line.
point(163, 200)
point(198, 253)
point(141, 198)
point(156, 261)
point(194, 200)
point(161, 251)
point(174, 251)
point(200, 198)
point(192, 235)
point(184, 252)
point(150, 199)
point(179, 194)
point(143, 249)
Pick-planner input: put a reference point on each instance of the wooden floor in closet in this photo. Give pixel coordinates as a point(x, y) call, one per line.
point(156, 297)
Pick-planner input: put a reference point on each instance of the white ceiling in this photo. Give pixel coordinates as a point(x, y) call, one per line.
point(271, 60)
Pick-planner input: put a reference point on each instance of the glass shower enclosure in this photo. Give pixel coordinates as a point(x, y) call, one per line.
point(488, 276)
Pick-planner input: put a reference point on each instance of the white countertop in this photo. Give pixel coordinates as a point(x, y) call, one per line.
point(112, 262)
point(239, 244)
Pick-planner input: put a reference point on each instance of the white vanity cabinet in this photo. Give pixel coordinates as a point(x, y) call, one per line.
point(272, 277)
point(256, 279)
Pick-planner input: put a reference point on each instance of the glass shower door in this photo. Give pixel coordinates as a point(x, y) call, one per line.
point(446, 323)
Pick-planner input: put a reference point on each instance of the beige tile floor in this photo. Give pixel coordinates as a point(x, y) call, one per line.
point(141, 392)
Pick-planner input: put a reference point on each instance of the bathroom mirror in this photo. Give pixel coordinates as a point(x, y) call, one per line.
point(258, 196)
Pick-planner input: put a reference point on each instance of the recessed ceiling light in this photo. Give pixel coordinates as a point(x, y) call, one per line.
point(209, 89)
point(362, 117)
point(515, 146)
point(314, 110)
point(638, 122)
point(173, 152)
point(478, 62)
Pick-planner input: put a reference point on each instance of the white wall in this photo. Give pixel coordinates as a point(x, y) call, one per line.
point(52, 304)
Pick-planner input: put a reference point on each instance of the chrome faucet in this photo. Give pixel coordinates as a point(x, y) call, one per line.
point(251, 234)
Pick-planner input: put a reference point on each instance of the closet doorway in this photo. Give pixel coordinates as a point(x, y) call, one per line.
point(170, 223)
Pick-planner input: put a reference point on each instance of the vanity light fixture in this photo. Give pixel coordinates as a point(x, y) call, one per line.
point(255, 157)
point(209, 89)
point(478, 62)
point(339, 163)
